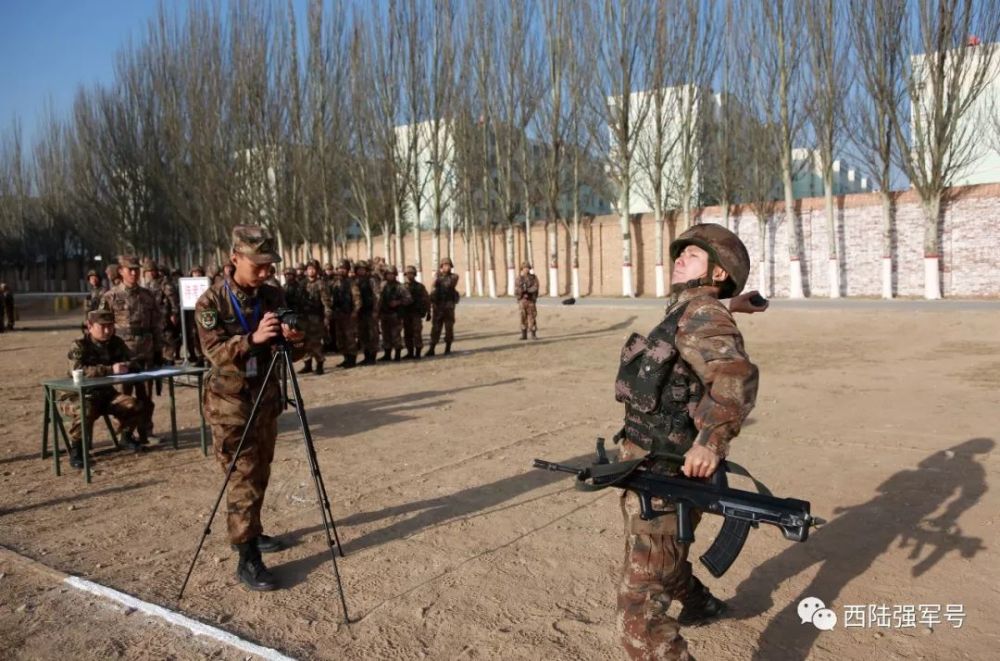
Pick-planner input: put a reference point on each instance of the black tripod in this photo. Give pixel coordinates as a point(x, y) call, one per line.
point(283, 353)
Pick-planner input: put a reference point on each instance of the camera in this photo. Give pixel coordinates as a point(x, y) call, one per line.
point(288, 317)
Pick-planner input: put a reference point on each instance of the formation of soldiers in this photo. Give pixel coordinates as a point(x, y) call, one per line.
point(362, 307)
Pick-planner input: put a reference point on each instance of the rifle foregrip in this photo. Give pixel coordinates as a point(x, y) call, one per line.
point(685, 535)
point(727, 546)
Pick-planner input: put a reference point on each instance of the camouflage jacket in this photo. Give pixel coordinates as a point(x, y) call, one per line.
point(526, 287)
point(394, 292)
point(345, 295)
point(420, 300)
point(138, 320)
point(93, 300)
point(96, 359)
point(293, 295)
point(230, 390)
point(167, 299)
point(315, 298)
point(445, 291)
point(370, 287)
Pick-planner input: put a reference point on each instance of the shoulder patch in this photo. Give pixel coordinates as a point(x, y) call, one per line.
point(208, 319)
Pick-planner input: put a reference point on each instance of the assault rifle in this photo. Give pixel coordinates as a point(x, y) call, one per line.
point(741, 509)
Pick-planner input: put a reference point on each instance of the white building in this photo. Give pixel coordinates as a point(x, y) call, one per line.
point(808, 178)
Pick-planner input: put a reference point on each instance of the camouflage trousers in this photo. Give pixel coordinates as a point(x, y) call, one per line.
point(392, 331)
point(442, 316)
point(144, 393)
point(529, 315)
point(314, 330)
point(171, 343)
point(250, 475)
point(346, 328)
point(128, 411)
point(368, 332)
point(655, 573)
point(413, 331)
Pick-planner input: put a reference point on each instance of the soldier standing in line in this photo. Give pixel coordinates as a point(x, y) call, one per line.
point(444, 298)
point(346, 296)
point(291, 288)
point(168, 300)
point(368, 286)
point(272, 277)
point(526, 293)
point(414, 313)
point(94, 293)
point(100, 353)
point(238, 327)
point(6, 307)
point(111, 276)
point(138, 323)
point(392, 304)
point(314, 304)
point(329, 332)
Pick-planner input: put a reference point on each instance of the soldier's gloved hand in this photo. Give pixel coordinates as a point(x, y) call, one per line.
point(268, 329)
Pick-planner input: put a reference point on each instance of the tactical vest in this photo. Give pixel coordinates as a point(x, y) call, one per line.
point(657, 389)
point(367, 295)
point(342, 299)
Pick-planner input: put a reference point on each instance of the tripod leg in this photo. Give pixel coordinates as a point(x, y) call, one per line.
point(229, 474)
point(324, 502)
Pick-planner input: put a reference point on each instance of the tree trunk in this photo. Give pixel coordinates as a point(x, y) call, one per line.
point(762, 270)
point(886, 245)
point(397, 222)
point(552, 233)
point(831, 235)
point(508, 237)
point(794, 263)
point(658, 248)
point(932, 250)
point(626, 229)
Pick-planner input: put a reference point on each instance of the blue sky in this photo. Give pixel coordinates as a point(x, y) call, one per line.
point(50, 47)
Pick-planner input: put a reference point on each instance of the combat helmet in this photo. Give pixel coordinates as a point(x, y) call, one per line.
point(724, 248)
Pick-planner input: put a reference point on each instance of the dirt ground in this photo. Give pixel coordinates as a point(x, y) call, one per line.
point(884, 417)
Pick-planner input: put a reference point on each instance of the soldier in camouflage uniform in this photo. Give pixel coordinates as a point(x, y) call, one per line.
point(94, 293)
point(237, 325)
point(369, 287)
point(6, 308)
point(394, 299)
point(169, 302)
point(414, 313)
point(346, 297)
point(314, 306)
point(138, 322)
point(291, 289)
point(329, 274)
point(687, 389)
point(100, 353)
point(111, 275)
point(526, 293)
point(272, 278)
point(444, 298)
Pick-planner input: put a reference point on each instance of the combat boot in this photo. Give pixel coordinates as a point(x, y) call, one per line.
point(397, 355)
point(430, 351)
point(350, 360)
point(369, 358)
point(387, 357)
point(319, 368)
point(251, 570)
point(701, 608)
point(533, 336)
point(447, 348)
point(265, 544)
point(524, 334)
point(416, 353)
point(409, 353)
point(76, 455)
point(130, 442)
point(307, 368)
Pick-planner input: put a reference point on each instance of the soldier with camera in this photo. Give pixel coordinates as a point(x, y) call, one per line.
point(238, 325)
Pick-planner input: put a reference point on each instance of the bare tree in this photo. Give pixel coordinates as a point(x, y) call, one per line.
point(876, 101)
point(775, 41)
point(828, 47)
point(620, 29)
point(945, 75)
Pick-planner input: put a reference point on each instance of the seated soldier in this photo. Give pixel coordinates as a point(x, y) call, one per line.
point(101, 353)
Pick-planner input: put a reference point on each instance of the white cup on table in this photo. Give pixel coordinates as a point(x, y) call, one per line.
point(77, 376)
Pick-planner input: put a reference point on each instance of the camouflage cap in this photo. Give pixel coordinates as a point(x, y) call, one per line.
point(525, 265)
point(345, 264)
point(328, 266)
point(255, 243)
point(313, 263)
point(100, 317)
point(410, 269)
point(149, 265)
point(289, 270)
point(128, 262)
point(198, 269)
point(92, 272)
point(362, 264)
point(392, 270)
point(446, 260)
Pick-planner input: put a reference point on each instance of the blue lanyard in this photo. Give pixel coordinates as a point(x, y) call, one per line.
point(239, 311)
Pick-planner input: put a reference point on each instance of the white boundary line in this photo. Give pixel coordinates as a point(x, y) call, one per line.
point(195, 627)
